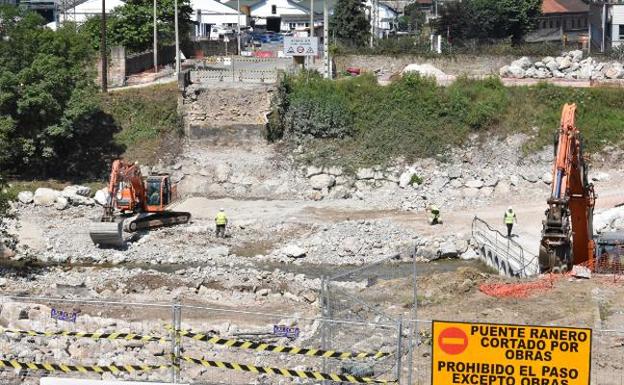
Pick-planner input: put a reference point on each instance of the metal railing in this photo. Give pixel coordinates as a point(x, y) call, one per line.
point(505, 254)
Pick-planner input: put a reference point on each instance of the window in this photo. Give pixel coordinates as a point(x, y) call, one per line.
point(621, 32)
point(550, 23)
point(274, 10)
point(153, 192)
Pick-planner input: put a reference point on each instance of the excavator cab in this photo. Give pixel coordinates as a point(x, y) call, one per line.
point(158, 193)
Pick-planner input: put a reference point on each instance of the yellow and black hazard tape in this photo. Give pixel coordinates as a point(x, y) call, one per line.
point(13, 364)
point(286, 372)
point(94, 336)
point(262, 347)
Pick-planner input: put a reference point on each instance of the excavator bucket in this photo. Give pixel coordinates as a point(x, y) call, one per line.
point(106, 234)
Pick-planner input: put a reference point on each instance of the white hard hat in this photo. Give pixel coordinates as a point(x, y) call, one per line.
point(221, 209)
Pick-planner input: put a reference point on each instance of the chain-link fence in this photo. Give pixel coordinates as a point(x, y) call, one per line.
point(368, 294)
point(186, 343)
point(82, 339)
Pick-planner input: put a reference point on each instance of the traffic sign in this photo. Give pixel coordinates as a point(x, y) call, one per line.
point(453, 340)
point(300, 46)
point(507, 354)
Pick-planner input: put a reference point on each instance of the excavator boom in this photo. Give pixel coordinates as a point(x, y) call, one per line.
point(567, 229)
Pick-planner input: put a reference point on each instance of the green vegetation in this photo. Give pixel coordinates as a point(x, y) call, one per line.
point(131, 25)
point(149, 126)
point(489, 19)
point(415, 180)
point(349, 25)
point(367, 124)
point(50, 120)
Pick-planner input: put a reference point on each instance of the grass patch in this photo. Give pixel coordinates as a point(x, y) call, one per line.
point(148, 119)
point(367, 124)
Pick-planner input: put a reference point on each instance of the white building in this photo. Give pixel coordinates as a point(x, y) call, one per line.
point(207, 13)
point(606, 24)
point(89, 8)
point(283, 15)
point(384, 17)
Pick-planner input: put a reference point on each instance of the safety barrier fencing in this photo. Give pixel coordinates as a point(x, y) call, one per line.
point(502, 253)
point(158, 342)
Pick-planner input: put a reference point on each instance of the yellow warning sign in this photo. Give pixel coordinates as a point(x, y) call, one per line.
point(497, 354)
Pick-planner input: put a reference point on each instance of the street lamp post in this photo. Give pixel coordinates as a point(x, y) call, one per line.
point(103, 50)
point(239, 21)
point(155, 41)
point(177, 37)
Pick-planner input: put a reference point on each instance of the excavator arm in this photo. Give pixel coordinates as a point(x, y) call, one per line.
point(567, 229)
point(125, 189)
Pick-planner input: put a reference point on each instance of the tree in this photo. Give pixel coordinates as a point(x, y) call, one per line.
point(131, 25)
point(349, 23)
point(413, 18)
point(489, 19)
point(50, 119)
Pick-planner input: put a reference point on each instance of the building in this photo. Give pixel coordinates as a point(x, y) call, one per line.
point(564, 15)
point(606, 24)
point(89, 8)
point(283, 15)
point(207, 13)
point(384, 17)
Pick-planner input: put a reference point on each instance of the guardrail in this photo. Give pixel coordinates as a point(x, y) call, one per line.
point(501, 252)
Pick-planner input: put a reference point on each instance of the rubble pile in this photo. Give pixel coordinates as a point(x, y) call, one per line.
point(570, 65)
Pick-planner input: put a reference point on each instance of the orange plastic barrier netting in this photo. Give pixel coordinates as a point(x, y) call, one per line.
point(604, 271)
point(519, 290)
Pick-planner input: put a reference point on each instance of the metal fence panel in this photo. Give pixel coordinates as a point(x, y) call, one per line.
point(25, 321)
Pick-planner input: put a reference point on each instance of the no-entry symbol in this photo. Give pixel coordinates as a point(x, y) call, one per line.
point(453, 340)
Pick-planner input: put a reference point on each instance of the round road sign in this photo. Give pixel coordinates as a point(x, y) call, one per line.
point(300, 49)
point(453, 340)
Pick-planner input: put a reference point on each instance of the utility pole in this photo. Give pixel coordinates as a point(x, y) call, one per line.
point(328, 71)
point(312, 18)
point(103, 49)
point(239, 18)
point(177, 37)
point(155, 41)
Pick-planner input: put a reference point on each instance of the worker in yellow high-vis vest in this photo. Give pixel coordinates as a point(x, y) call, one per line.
point(509, 218)
point(221, 220)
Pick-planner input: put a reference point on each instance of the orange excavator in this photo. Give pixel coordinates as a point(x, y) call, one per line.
point(567, 233)
point(135, 203)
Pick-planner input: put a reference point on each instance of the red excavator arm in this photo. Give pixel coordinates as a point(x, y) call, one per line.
point(126, 190)
point(567, 229)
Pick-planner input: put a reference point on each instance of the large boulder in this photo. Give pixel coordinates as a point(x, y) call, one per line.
point(294, 251)
point(101, 196)
point(448, 249)
point(406, 178)
point(366, 173)
point(84, 191)
point(25, 197)
point(319, 182)
point(61, 203)
point(552, 66)
point(523, 63)
point(45, 196)
point(516, 72)
point(576, 55)
point(564, 63)
point(614, 71)
point(475, 183)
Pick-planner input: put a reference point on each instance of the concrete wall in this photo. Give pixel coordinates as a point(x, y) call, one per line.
point(143, 61)
point(469, 65)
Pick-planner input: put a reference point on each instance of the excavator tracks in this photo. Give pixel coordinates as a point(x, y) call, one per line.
point(109, 234)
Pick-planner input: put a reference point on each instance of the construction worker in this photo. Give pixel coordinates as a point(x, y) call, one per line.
point(221, 220)
point(509, 218)
point(434, 215)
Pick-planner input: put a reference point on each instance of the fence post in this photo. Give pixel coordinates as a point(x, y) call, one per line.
point(176, 315)
point(399, 349)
